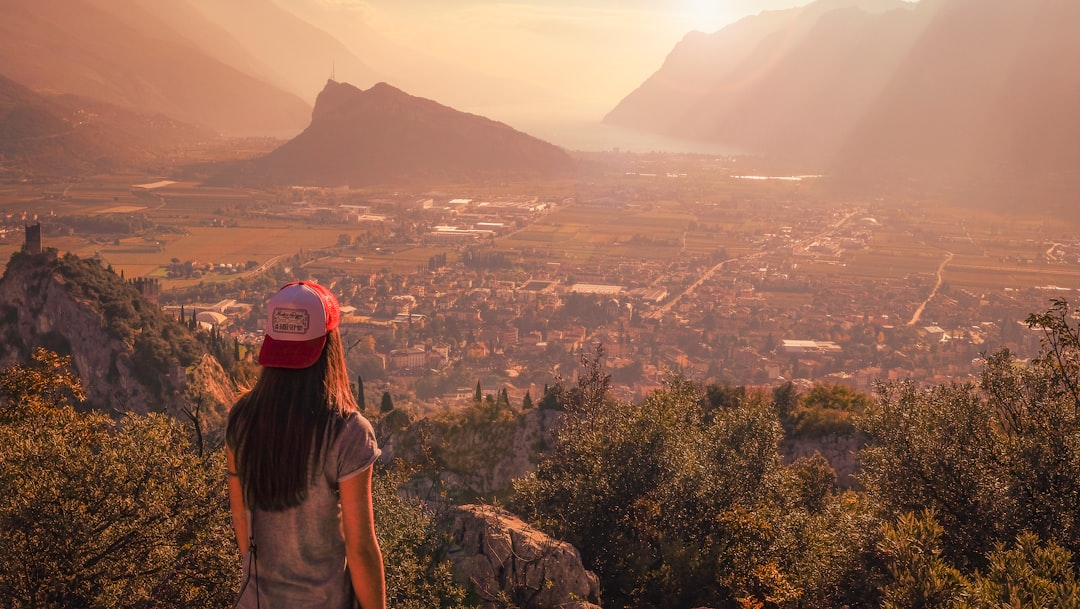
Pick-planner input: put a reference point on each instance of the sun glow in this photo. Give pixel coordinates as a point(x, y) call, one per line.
point(705, 15)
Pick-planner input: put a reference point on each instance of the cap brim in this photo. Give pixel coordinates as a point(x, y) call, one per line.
point(290, 353)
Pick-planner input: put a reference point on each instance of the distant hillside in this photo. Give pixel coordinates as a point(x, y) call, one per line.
point(128, 354)
point(120, 52)
point(946, 91)
point(67, 135)
point(384, 135)
point(783, 82)
point(300, 55)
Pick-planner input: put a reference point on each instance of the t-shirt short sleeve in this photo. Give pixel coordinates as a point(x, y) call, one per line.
point(354, 450)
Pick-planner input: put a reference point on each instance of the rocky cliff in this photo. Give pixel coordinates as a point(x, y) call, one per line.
point(128, 354)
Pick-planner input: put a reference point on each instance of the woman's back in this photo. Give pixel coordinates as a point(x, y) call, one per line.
point(300, 458)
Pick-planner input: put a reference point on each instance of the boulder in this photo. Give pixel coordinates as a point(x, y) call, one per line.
point(501, 556)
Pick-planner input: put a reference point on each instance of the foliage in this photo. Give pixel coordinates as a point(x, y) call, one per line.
point(99, 514)
point(387, 403)
point(418, 574)
point(107, 224)
point(920, 576)
point(95, 514)
point(1029, 574)
point(991, 461)
point(47, 382)
point(677, 504)
point(827, 409)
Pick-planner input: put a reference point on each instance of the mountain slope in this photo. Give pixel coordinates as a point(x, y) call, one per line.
point(988, 87)
point(781, 81)
point(301, 54)
point(384, 135)
point(955, 93)
point(119, 53)
point(66, 135)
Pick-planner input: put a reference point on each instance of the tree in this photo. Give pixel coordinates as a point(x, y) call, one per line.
point(360, 392)
point(387, 403)
point(418, 574)
point(478, 395)
point(526, 402)
point(46, 383)
point(668, 507)
point(95, 514)
point(104, 515)
point(991, 461)
point(1028, 574)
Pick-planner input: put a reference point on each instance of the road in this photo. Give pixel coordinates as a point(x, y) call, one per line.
point(716, 267)
point(933, 292)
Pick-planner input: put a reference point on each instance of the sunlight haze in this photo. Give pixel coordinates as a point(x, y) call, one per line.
point(571, 59)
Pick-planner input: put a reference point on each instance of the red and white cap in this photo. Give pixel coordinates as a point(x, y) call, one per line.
point(298, 318)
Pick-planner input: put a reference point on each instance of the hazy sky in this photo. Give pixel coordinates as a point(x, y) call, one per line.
point(593, 52)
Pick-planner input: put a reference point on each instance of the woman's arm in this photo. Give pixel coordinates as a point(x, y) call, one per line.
point(236, 503)
point(361, 547)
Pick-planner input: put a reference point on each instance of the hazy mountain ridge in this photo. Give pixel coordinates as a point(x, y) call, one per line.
point(122, 54)
point(946, 89)
point(751, 82)
point(66, 135)
point(383, 134)
point(300, 54)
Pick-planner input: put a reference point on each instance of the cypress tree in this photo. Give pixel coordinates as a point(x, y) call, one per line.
point(360, 392)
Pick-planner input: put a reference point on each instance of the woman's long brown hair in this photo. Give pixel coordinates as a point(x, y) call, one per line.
point(279, 429)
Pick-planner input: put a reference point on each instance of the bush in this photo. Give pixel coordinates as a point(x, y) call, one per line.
point(95, 514)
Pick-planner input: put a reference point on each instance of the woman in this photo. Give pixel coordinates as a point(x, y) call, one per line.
point(300, 457)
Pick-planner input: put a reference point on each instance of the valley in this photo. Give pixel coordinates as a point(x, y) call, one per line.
point(673, 262)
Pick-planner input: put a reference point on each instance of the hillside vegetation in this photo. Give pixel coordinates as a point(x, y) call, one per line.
point(969, 496)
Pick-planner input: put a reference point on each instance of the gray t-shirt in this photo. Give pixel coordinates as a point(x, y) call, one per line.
point(300, 552)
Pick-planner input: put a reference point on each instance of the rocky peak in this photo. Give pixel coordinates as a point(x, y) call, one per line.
point(127, 353)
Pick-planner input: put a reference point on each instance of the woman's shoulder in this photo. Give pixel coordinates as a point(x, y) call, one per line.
point(353, 422)
point(355, 447)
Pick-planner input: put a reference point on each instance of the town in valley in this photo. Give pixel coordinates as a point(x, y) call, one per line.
point(695, 265)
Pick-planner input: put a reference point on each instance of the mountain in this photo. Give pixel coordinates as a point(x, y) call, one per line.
point(123, 52)
point(301, 55)
point(385, 135)
point(946, 91)
point(66, 135)
point(783, 81)
point(988, 90)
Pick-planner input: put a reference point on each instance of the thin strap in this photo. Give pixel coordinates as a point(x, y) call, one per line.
point(253, 553)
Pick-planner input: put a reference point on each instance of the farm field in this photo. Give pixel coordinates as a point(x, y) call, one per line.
point(660, 222)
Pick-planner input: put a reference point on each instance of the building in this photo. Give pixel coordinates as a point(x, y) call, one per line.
point(810, 347)
point(410, 358)
point(32, 245)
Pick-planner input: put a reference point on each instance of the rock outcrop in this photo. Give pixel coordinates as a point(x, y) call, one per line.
point(839, 449)
point(128, 355)
point(498, 554)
